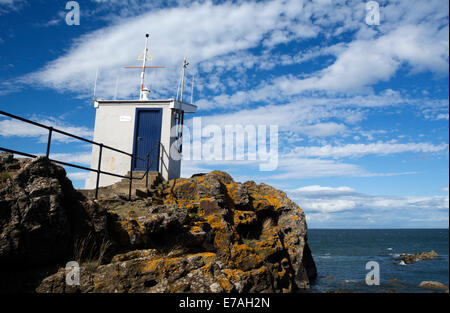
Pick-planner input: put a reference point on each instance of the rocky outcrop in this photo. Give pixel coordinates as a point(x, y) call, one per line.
point(412, 258)
point(41, 217)
point(201, 234)
point(41, 214)
point(433, 285)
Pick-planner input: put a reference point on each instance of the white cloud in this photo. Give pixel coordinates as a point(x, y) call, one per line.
point(207, 33)
point(288, 168)
point(301, 168)
point(319, 117)
point(317, 189)
point(56, 20)
point(9, 2)
point(190, 168)
point(78, 175)
point(332, 206)
point(200, 31)
point(435, 109)
point(322, 129)
point(366, 62)
point(359, 150)
point(271, 93)
point(304, 56)
point(83, 158)
point(10, 5)
point(16, 128)
point(300, 115)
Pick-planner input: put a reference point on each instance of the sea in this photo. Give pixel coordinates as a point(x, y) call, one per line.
point(341, 256)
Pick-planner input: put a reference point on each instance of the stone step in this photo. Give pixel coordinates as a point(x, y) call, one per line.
point(138, 188)
point(139, 174)
point(138, 183)
point(109, 193)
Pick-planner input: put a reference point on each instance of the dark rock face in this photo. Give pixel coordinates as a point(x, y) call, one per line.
point(202, 234)
point(40, 215)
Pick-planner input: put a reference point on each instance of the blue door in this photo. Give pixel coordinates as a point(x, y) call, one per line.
point(147, 134)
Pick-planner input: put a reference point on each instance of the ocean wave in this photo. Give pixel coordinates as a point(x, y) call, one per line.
point(394, 255)
point(322, 257)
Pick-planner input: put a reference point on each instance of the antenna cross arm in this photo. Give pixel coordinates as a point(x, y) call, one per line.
point(144, 67)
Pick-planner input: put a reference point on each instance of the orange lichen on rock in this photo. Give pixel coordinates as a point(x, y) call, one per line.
point(269, 243)
point(210, 234)
point(151, 266)
point(244, 217)
point(135, 254)
point(244, 257)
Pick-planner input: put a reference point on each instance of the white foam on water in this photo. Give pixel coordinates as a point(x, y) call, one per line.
point(322, 257)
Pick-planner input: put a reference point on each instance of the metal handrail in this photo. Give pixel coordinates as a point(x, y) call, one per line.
point(101, 145)
point(148, 166)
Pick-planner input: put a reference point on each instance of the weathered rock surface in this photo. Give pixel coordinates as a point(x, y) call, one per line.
point(433, 285)
point(412, 258)
point(41, 215)
point(202, 234)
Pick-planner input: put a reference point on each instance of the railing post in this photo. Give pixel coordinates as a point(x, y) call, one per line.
point(98, 170)
point(50, 131)
point(146, 178)
point(158, 157)
point(131, 178)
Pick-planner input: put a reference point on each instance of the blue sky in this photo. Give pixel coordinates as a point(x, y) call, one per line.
point(362, 110)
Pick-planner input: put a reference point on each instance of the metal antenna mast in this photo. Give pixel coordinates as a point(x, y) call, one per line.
point(185, 64)
point(145, 57)
point(179, 117)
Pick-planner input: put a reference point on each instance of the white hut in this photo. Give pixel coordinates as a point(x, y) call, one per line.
point(139, 127)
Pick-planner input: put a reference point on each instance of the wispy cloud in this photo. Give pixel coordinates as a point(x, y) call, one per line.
point(366, 62)
point(78, 175)
point(324, 204)
point(341, 92)
point(7, 6)
point(83, 158)
point(15, 128)
point(236, 27)
point(419, 41)
point(359, 150)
